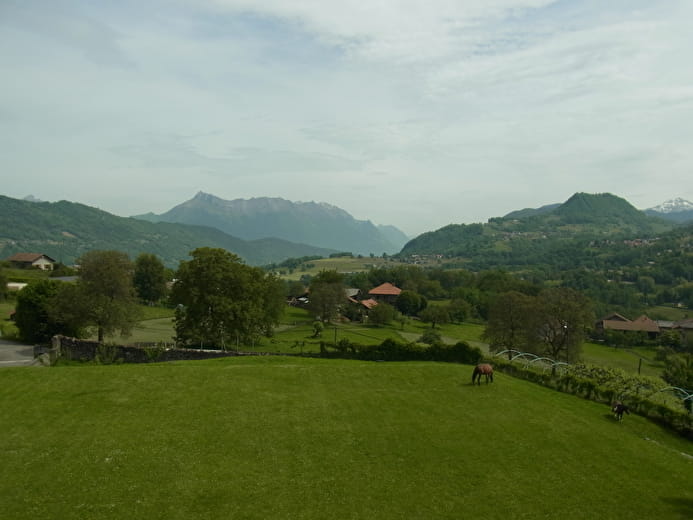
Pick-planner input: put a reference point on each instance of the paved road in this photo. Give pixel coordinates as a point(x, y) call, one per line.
point(15, 354)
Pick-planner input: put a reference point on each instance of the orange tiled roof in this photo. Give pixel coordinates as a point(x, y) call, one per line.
point(386, 289)
point(369, 303)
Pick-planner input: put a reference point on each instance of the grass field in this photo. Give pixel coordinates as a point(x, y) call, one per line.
point(341, 264)
point(304, 438)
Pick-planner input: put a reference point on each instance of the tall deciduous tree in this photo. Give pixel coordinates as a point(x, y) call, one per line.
point(560, 322)
point(105, 296)
point(149, 278)
point(509, 317)
point(409, 303)
point(327, 294)
point(435, 314)
point(221, 300)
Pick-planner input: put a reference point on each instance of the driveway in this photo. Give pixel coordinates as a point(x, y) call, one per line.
point(15, 354)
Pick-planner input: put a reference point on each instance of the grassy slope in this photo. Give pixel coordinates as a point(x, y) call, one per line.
point(301, 438)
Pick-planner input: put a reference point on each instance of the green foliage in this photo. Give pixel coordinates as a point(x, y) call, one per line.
point(36, 314)
point(149, 278)
point(431, 337)
point(107, 354)
point(509, 316)
point(381, 314)
point(318, 327)
point(326, 294)
point(104, 296)
point(409, 303)
point(435, 314)
point(221, 300)
point(3, 284)
point(678, 371)
point(62, 270)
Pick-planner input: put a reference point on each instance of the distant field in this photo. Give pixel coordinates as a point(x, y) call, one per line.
point(625, 359)
point(668, 313)
point(341, 264)
point(312, 439)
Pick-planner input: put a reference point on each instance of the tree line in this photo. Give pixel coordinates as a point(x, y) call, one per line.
point(218, 299)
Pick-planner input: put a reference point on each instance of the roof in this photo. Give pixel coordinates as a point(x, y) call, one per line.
point(28, 257)
point(386, 289)
point(640, 324)
point(369, 303)
point(614, 316)
point(684, 324)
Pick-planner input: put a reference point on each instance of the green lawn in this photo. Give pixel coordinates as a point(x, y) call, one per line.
point(627, 359)
point(306, 438)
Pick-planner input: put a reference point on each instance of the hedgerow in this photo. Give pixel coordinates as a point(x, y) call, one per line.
point(607, 385)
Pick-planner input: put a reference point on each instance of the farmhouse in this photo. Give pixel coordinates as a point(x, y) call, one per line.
point(386, 292)
point(617, 322)
point(32, 260)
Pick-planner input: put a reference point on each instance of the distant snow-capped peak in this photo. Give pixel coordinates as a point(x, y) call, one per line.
point(673, 206)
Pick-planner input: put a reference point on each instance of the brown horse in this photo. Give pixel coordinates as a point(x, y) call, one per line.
point(484, 369)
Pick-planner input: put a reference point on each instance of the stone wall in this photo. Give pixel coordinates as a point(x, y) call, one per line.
point(83, 350)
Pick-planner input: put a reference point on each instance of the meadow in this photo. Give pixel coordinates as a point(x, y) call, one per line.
point(275, 437)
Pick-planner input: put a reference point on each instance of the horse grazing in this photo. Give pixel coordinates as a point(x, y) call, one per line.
point(618, 409)
point(484, 369)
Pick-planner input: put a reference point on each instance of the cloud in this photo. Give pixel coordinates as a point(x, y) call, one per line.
point(413, 113)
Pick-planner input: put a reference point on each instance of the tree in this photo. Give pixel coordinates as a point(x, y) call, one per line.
point(459, 310)
point(435, 314)
point(221, 299)
point(35, 314)
point(326, 294)
point(559, 322)
point(431, 337)
point(3, 285)
point(508, 321)
point(679, 372)
point(318, 327)
point(409, 303)
point(149, 278)
point(104, 296)
point(381, 314)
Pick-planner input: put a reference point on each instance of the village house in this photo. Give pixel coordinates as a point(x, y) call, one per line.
point(386, 293)
point(617, 322)
point(32, 260)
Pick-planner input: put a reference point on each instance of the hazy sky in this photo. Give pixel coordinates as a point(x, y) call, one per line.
point(412, 113)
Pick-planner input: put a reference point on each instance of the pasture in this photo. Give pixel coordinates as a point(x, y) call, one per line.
point(342, 264)
point(307, 438)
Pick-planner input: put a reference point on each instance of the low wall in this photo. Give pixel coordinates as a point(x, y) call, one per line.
point(83, 350)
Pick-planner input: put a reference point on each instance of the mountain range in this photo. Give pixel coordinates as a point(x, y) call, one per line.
point(317, 224)
point(541, 235)
point(66, 230)
point(676, 210)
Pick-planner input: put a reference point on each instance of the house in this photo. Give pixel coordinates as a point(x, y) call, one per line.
point(32, 260)
point(618, 322)
point(386, 292)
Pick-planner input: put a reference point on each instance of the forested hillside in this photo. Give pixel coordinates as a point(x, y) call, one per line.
point(560, 237)
point(66, 230)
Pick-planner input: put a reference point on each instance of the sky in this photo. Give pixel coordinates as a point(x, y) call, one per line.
point(414, 113)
